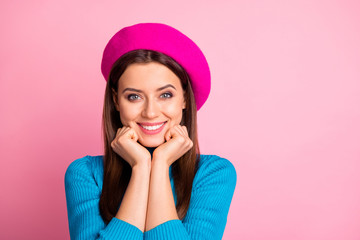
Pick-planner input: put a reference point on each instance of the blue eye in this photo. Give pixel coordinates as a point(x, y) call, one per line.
point(166, 95)
point(133, 97)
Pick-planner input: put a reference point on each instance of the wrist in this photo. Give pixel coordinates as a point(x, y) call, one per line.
point(142, 168)
point(159, 164)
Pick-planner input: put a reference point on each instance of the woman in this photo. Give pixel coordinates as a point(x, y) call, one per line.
point(152, 182)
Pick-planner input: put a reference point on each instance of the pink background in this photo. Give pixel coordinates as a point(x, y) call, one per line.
point(284, 108)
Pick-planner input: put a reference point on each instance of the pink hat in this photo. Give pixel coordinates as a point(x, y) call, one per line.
point(165, 39)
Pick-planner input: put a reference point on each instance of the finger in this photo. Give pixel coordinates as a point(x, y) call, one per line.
point(132, 134)
point(117, 134)
point(118, 131)
point(180, 136)
point(185, 130)
point(173, 132)
point(128, 132)
point(181, 131)
point(189, 142)
point(167, 135)
point(122, 130)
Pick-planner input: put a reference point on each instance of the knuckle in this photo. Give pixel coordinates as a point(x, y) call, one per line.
point(120, 140)
point(182, 140)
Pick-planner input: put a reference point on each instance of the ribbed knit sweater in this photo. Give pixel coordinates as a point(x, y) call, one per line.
point(211, 195)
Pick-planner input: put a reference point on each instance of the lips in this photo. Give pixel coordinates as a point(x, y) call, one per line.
point(151, 128)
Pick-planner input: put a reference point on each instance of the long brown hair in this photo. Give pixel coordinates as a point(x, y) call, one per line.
point(117, 171)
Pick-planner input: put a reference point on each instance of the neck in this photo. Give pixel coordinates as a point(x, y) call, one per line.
point(151, 150)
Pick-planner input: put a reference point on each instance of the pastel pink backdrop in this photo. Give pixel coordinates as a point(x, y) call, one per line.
point(284, 108)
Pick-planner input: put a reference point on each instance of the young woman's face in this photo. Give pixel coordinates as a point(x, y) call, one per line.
point(150, 100)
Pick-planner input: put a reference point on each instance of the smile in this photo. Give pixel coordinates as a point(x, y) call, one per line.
point(151, 128)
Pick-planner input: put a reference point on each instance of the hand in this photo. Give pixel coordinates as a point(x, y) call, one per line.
point(177, 144)
point(125, 145)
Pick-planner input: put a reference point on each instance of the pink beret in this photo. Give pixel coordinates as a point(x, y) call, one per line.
point(165, 39)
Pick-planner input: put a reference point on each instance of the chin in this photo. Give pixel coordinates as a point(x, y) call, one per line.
point(151, 142)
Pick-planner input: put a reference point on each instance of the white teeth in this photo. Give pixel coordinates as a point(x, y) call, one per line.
point(152, 127)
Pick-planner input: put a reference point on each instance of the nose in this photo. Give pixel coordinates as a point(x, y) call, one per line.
point(150, 109)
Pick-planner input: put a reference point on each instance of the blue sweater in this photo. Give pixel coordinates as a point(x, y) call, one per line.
point(211, 195)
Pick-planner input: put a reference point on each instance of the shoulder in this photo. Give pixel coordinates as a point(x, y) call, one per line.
point(211, 163)
point(87, 167)
point(84, 164)
point(215, 168)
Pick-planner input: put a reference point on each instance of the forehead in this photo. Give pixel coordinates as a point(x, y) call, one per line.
point(148, 76)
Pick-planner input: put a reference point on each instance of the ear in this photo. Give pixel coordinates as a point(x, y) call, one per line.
point(115, 100)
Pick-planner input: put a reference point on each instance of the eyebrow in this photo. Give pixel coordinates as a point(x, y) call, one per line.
point(159, 89)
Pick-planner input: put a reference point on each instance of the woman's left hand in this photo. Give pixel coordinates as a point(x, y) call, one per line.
point(177, 143)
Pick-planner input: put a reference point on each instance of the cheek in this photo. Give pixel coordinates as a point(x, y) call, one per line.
point(174, 112)
point(127, 114)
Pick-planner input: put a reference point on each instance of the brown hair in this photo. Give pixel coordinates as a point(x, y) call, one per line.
point(117, 171)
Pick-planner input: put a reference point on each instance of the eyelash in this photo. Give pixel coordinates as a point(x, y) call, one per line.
point(130, 96)
point(168, 93)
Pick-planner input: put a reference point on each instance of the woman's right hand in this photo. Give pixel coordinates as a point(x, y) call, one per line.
point(125, 145)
